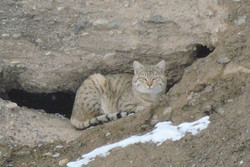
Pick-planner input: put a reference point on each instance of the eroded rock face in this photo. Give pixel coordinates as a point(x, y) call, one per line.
point(54, 45)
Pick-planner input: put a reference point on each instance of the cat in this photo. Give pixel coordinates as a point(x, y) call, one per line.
point(102, 99)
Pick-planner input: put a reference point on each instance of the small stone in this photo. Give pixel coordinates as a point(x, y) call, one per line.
point(108, 134)
point(5, 35)
point(38, 40)
point(63, 162)
point(241, 20)
point(11, 105)
point(156, 18)
point(60, 8)
point(84, 34)
point(225, 16)
point(220, 111)
point(48, 53)
point(56, 155)
point(15, 62)
point(105, 25)
point(167, 110)
point(16, 35)
point(59, 147)
point(207, 108)
point(223, 60)
point(48, 154)
point(126, 5)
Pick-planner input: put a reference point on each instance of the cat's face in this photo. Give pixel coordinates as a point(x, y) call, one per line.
point(149, 79)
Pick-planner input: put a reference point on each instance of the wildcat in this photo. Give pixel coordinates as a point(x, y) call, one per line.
point(105, 98)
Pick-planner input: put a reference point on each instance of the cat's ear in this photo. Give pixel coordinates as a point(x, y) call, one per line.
point(161, 66)
point(137, 66)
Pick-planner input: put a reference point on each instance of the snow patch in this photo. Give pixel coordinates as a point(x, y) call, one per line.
point(163, 131)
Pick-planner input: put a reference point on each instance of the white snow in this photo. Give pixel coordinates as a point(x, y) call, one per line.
point(162, 132)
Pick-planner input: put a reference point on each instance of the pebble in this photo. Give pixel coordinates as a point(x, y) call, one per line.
point(59, 147)
point(63, 162)
point(207, 108)
point(16, 35)
point(48, 154)
point(56, 155)
point(38, 40)
point(223, 60)
point(5, 35)
point(105, 25)
point(225, 16)
point(108, 134)
point(241, 20)
point(220, 111)
point(11, 105)
point(157, 19)
point(15, 62)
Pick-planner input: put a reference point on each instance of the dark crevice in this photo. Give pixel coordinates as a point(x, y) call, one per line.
point(58, 102)
point(203, 51)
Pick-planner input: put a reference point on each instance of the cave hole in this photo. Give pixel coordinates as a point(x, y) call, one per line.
point(58, 102)
point(203, 51)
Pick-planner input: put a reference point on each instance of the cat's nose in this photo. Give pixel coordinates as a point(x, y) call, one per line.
point(149, 83)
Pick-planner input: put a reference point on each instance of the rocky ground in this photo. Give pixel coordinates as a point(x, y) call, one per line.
point(41, 42)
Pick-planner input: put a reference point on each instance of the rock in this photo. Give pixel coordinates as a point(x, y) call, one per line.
point(241, 20)
point(220, 111)
point(16, 35)
point(232, 68)
point(11, 105)
point(59, 147)
point(63, 162)
point(157, 19)
point(207, 108)
point(5, 35)
point(223, 60)
point(105, 25)
point(56, 155)
point(108, 134)
point(48, 154)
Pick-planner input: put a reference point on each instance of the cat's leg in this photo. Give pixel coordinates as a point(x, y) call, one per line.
point(87, 103)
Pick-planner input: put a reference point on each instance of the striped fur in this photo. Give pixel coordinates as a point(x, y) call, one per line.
point(101, 99)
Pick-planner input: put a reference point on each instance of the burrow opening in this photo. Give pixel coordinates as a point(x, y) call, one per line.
point(59, 102)
point(203, 51)
point(62, 102)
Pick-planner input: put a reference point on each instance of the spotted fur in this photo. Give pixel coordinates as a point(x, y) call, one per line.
point(102, 99)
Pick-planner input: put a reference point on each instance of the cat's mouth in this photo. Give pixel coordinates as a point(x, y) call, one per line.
point(150, 90)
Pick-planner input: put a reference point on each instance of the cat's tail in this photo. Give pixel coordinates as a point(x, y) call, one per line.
point(98, 120)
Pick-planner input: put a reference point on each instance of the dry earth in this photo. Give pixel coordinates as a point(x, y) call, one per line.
point(217, 85)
